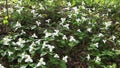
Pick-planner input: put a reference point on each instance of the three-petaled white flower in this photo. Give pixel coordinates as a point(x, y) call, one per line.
point(89, 29)
point(56, 56)
point(34, 36)
point(63, 20)
point(96, 44)
point(28, 58)
point(72, 39)
point(38, 23)
point(65, 58)
point(18, 25)
point(41, 62)
point(64, 37)
point(51, 48)
point(97, 59)
point(56, 32)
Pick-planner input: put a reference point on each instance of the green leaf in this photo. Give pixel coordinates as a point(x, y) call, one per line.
point(63, 64)
point(73, 2)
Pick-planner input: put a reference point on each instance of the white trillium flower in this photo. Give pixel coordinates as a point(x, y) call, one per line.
point(63, 20)
point(66, 26)
point(100, 35)
point(18, 25)
point(28, 59)
point(113, 37)
point(56, 56)
point(34, 36)
point(75, 9)
point(96, 44)
point(69, 4)
point(65, 58)
point(56, 33)
point(38, 23)
point(89, 29)
point(97, 59)
point(107, 24)
point(41, 62)
point(1, 66)
point(10, 53)
point(88, 57)
point(72, 39)
point(84, 19)
point(23, 32)
point(48, 21)
point(79, 30)
point(78, 20)
point(47, 34)
point(45, 44)
point(104, 41)
point(64, 37)
point(51, 48)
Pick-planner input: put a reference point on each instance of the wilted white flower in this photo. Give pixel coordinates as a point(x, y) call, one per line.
point(34, 36)
point(56, 56)
point(1, 66)
point(72, 39)
point(41, 62)
point(64, 37)
point(65, 58)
